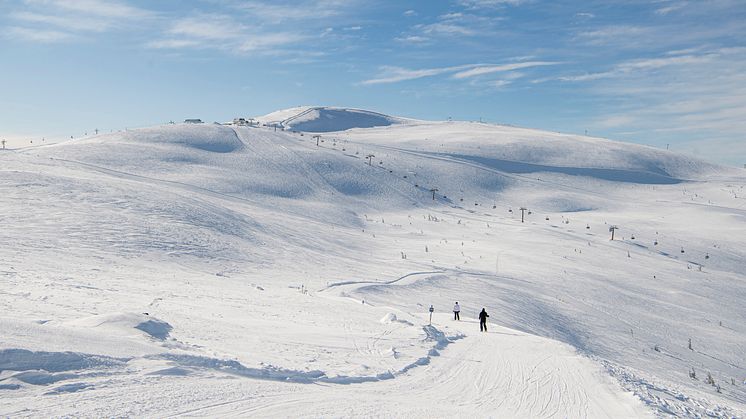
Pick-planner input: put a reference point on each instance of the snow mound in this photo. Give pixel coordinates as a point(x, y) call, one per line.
point(391, 318)
point(209, 137)
point(327, 119)
point(388, 318)
point(125, 324)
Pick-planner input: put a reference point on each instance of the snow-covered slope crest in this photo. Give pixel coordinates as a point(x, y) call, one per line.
point(327, 119)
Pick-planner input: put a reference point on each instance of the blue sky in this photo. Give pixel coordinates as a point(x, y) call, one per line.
point(654, 72)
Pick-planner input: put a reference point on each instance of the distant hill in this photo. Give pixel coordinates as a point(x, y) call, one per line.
point(327, 119)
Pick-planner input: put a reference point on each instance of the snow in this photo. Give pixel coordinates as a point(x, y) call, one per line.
point(210, 270)
point(327, 119)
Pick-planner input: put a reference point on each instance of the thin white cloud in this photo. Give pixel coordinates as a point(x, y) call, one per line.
point(392, 74)
point(671, 8)
point(445, 28)
point(479, 71)
point(66, 20)
point(107, 9)
point(35, 35)
point(485, 4)
point(271, 40)
point(85, 23)
point(273, 12)
point(621, 35)
point(412, 39)
point(207, 27)
point(222, 32)
point(641, 65)
point(173, 44)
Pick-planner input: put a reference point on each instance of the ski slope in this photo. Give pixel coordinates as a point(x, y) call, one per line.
point(209, 270)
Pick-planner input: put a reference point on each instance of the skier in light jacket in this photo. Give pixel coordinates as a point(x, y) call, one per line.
point(456, 311)
point(483, 320)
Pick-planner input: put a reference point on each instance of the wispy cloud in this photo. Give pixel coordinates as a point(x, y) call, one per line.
point(412, 39)
point(72, 23)
point(671, 8)
point(107, 9)
point(223, 32)
point(457, 25)
point(617, 35)
point(393, 74)
point(626, 68)
point(65, 20)
point(306, 10)
point(35, 35)
point(483, 4)
point(483, 70)
point(445, 28)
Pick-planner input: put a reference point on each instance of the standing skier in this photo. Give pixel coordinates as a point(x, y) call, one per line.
point(456, 310)
point(483, 320)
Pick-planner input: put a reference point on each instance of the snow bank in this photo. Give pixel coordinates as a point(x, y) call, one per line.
point(126, 324)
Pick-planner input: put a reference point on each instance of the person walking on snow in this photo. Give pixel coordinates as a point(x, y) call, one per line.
point(456, 310)
point(483, 320)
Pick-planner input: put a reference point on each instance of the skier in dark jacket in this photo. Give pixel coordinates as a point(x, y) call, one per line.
point(483, 320)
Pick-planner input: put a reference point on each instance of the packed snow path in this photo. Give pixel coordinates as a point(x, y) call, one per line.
point(501, 373)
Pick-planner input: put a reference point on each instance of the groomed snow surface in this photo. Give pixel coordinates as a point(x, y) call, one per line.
point(210, 270)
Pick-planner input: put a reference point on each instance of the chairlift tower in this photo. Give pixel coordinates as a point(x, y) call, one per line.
point(612, 229)
point(370, 159)
point(433, 190)
point(523, 210)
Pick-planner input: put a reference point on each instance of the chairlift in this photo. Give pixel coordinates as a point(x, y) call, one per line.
point(655, 243)
point(494, 206)
point(633, 237)
point(547, 218)
point(510, 210)
point(682, 250)
point(707, 256)
point(587, 227)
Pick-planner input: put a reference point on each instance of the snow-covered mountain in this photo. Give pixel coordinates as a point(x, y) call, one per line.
point(145, 268)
